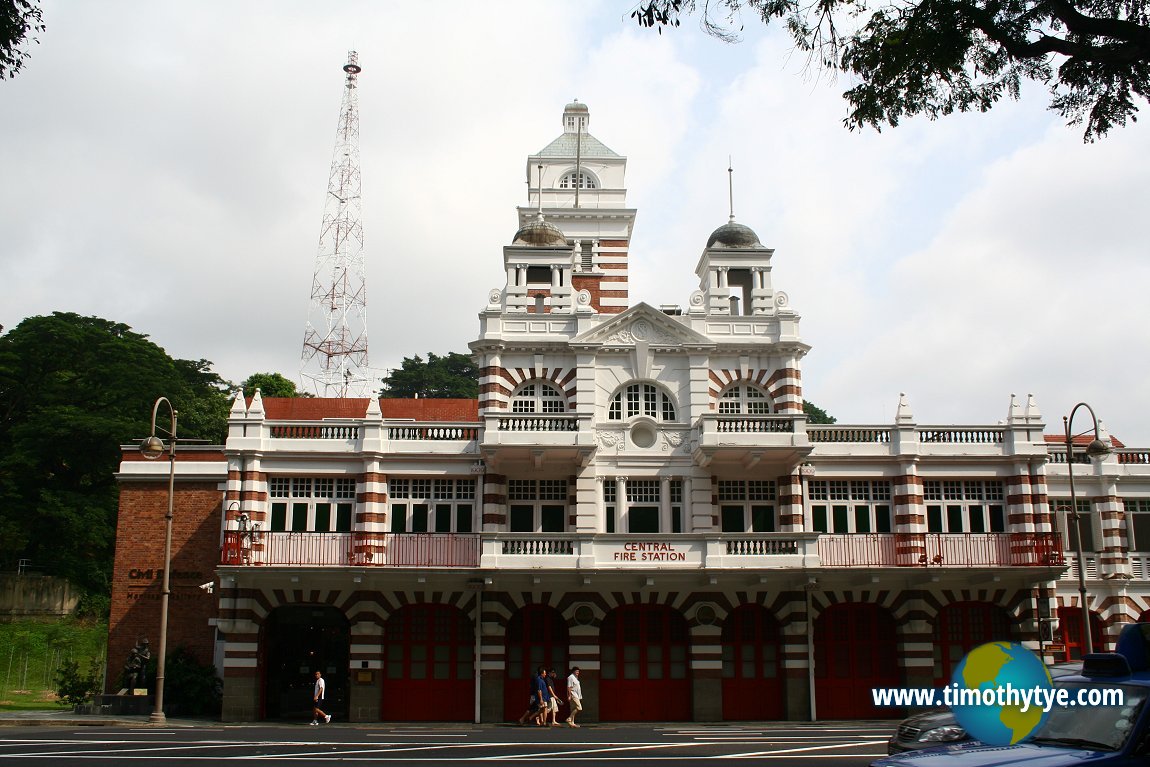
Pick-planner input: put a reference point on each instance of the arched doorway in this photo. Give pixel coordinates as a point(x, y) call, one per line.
point(752, 668)
point(297, 642)
point(962, 626)
point(429, 666)
point(1070, 624)
point(643, 651)
point(536, 636)
point(856, 649)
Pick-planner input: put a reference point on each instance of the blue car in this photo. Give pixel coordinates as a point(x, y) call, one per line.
point(1115, 736)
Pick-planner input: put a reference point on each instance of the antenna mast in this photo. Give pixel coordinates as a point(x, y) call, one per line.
point(335, 340)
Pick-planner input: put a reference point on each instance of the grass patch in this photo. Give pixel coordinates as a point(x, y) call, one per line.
point(31, 651)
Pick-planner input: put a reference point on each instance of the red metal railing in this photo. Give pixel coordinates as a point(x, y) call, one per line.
point(941, 550)
point(327, 549)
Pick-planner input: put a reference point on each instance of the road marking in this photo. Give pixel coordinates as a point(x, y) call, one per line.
point(777, 752)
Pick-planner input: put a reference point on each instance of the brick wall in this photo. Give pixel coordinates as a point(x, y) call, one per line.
point(137, 573)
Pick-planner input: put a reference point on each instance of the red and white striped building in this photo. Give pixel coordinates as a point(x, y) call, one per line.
point(637, 492)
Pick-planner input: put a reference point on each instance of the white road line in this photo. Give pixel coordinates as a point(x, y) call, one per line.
point(574, 754)
point(764, 754)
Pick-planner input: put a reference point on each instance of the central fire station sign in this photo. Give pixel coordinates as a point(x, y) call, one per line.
point(649, 553)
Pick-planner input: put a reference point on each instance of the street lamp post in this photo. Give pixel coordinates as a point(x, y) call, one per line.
point(1096, 448)
point(152, 448)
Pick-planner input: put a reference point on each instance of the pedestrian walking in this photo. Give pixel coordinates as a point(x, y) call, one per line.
point(574, 696)
point(553, 709)
point(317, 701)
point(535, 708)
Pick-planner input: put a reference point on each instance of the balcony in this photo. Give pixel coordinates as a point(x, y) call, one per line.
point(560, 551)
point(746, 440)
point(291, 549)
point(621, 551)
point(941, 550)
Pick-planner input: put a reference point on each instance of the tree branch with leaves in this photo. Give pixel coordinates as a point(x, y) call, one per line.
point(936, 57)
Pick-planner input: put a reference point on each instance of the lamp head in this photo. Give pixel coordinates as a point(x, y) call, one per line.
point(152, 447)
point(1097, 448)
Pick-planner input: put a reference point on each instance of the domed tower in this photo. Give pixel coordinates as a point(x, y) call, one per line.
point(577, 183)
point(735, 273)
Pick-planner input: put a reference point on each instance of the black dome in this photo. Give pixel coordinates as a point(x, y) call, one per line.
point(539, 233)
point(732, 235)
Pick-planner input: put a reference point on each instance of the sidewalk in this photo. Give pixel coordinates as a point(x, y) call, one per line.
point(68, 718)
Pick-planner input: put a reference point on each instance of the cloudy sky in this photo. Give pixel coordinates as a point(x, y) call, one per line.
point(165, 163)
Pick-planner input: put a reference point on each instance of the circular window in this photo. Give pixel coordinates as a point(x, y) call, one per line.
point(643, 435)
point(705, 615)
point(584, 615)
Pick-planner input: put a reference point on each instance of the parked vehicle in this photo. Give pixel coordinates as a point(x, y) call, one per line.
point(935, 727)
point(1114, 736)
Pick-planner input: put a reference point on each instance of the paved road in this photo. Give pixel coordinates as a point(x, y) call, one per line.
point(830, 744)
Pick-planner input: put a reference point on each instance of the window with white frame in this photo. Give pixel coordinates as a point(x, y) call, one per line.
point(1137, 523)
point(644, 505)
point(964, 506)
point(744, 399)
point(641, 399)
point(432, 505)
point(586, 181)
point(747, 506)
point(537, 505)
point(850, 506)
point(311, 504)
point(1064, 522)
point(538, 397)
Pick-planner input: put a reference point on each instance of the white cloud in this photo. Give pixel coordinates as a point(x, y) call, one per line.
point(166, 166)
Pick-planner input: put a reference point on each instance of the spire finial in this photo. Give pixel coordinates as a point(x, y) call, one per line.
point(539, 187)
point(731, 187)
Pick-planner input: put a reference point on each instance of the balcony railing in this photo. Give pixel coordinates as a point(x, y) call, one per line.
point(538, 423)
point(749, 424)
point(876, 435)
point(941, 550)
point(436, 432)
point(342, 431)
point(287, 549)
point(962, 436)
point(617, 550)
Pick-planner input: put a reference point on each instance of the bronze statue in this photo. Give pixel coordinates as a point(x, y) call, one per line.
point(136, 667)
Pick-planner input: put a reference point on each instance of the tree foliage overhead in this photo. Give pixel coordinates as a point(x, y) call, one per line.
point(816, 414)
point(935, 57)
point(72, 390)
point(271, 385)
point(18, 19)
point(452, 376)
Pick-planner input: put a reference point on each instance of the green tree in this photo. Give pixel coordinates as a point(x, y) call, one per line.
point(452, 376)
point(271, 385)
point(72, 390)
point(18, 18)
point(935, 57)
point(816, 414)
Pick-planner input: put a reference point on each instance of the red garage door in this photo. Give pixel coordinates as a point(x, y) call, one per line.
point(855, 650)
point(643, 654)
point(752, 678)
point(960, 628)
point(429, 672)
point(1070, 623)
point(536, 636)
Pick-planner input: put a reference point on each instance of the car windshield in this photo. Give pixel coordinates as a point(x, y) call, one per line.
point(1103, 728)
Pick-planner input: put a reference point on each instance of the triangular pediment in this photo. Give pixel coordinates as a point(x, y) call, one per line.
point(643, 323)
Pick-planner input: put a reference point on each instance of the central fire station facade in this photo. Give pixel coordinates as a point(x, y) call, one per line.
point(636, 492)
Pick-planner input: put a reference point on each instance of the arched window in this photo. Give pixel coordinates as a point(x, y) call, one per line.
point(641, 399)
point(538, 397)
point(744, 399)
point(586, 181)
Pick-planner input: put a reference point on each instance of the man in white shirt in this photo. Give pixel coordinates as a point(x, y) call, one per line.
point(574, 696)
point(317, 699)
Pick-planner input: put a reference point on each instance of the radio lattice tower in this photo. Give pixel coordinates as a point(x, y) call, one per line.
point(335, 340)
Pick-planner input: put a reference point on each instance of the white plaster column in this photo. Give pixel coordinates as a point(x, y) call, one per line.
point(621, 518)
point(665, 505)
